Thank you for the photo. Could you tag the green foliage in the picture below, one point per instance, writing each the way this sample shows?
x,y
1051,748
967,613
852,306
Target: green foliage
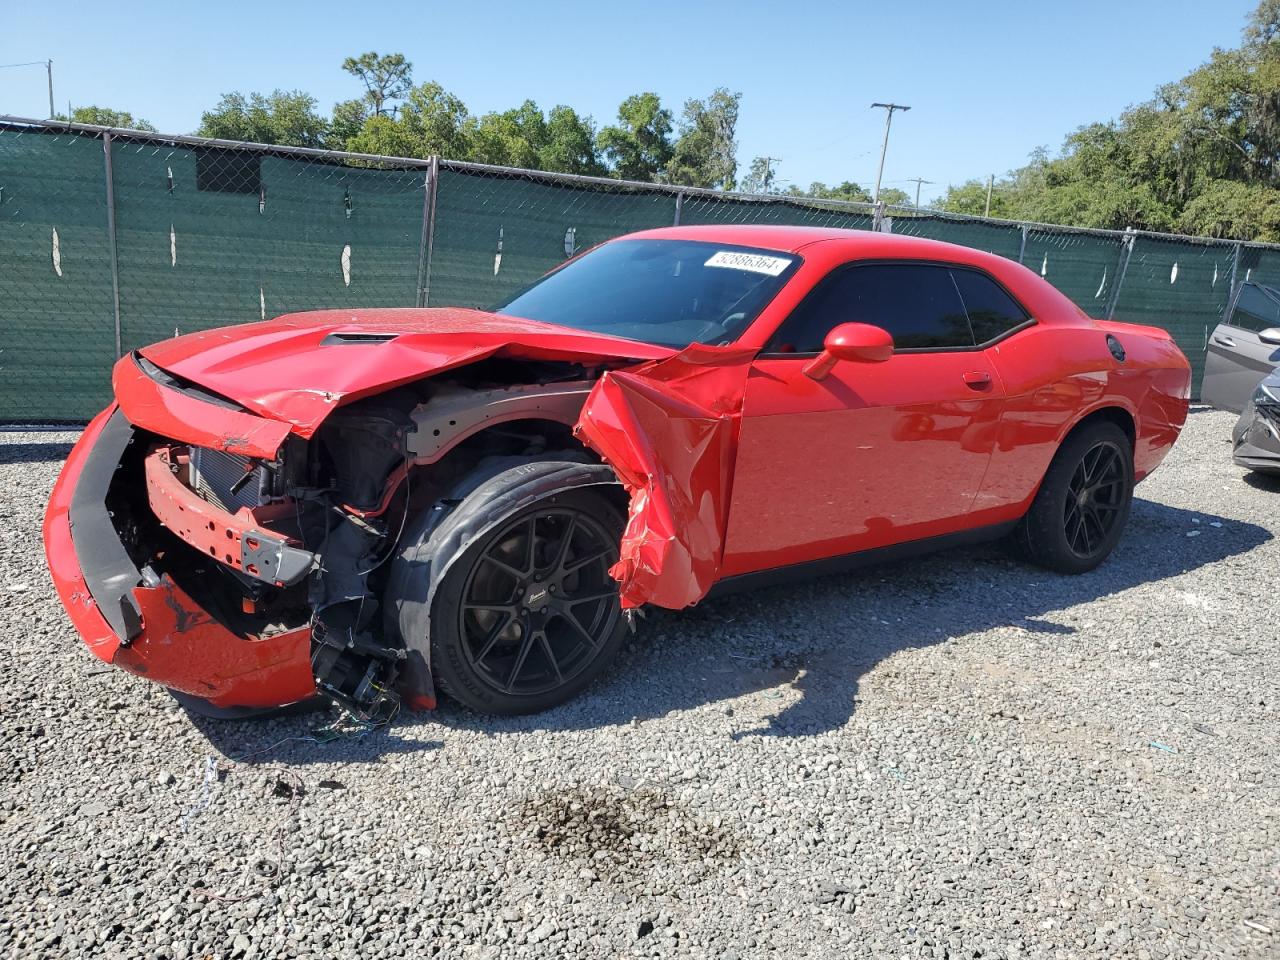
x,y
705,155
430,121
760,176
385,78
1202,156
106,117
639,146
285,117
820,191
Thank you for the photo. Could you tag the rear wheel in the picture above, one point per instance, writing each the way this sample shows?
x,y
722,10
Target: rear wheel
x,y
523,614
1082,506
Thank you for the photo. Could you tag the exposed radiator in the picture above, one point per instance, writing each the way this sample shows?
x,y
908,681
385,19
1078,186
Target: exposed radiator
x,y
214,474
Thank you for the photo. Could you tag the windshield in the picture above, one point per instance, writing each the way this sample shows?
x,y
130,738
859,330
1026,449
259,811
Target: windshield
x,y
667,292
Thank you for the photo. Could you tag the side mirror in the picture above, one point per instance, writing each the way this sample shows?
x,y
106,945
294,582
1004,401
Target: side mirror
x,y
1270,336
859,342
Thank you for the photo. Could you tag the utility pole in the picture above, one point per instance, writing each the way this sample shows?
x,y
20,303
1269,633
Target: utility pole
x,y
768,171
991,179
48,66
888,120
918,181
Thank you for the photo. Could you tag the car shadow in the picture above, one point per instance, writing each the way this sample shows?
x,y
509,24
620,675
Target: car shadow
x,y
1269,482
722,650
305,734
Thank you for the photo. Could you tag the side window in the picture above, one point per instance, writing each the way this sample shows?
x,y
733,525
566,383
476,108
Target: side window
x,y
1254,310
917,303
992,312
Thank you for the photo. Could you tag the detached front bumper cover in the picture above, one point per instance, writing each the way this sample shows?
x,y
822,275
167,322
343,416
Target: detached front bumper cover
x,y
157,631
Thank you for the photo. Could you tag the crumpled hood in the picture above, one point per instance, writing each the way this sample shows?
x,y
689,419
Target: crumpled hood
x,y
299,367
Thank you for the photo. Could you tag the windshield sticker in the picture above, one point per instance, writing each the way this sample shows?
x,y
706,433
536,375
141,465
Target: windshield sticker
x,y
754,262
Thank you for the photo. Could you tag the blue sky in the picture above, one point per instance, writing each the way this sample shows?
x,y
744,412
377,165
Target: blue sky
x,y
987,82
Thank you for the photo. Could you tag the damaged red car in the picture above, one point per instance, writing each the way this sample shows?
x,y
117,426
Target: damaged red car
x,y
386,504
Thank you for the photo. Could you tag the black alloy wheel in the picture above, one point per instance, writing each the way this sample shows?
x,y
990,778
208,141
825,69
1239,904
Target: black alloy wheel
x,y
1097,496
538,603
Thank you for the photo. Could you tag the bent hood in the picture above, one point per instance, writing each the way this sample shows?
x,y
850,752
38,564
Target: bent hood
x,y
297,368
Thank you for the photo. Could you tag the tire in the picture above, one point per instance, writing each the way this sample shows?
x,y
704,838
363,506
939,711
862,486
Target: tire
x,y
1083,503
494,604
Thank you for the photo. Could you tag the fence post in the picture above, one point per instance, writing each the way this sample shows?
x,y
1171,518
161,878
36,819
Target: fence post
x,y
679,208
111,239
428,231
1126,248
877,218
1022,244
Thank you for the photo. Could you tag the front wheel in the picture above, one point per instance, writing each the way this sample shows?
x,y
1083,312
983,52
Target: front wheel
x,y
1083,503
523,614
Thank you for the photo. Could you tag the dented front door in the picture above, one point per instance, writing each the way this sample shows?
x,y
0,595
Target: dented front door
x,y
872,455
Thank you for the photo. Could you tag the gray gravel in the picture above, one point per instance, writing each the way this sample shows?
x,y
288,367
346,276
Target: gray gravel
x,y
960,757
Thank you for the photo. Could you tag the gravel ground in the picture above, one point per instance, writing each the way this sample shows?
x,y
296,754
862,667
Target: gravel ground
x,y
959,757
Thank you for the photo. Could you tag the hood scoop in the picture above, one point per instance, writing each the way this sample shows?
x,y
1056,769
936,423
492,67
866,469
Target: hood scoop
x,y
355,337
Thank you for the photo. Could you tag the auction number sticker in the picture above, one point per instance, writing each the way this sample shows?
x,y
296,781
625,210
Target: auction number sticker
x,y
754,262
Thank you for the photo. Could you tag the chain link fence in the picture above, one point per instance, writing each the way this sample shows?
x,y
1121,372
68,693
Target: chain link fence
x,y
113,239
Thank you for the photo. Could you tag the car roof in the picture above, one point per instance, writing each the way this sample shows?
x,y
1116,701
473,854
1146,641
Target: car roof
x,y
793,239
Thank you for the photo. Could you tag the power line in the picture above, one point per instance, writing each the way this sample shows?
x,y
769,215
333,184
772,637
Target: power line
x,y
48,65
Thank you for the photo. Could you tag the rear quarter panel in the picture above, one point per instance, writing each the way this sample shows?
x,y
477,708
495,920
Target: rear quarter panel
x,y
1056,375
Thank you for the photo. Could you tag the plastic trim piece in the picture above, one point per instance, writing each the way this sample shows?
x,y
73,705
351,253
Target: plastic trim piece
x,y
109,574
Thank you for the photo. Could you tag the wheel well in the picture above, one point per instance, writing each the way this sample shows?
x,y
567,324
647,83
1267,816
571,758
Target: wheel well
x,y
1117,415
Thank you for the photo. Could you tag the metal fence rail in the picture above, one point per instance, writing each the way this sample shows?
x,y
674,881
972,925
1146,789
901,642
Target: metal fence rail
x,y
110,239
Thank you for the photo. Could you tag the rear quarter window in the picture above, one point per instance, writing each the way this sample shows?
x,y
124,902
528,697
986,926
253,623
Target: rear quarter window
x,y
992,312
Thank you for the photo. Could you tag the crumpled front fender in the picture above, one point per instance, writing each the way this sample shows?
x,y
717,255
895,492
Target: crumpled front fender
x,y
669,430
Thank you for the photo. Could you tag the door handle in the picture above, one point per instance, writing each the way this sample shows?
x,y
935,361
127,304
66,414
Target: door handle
x,y
1224,341
978,379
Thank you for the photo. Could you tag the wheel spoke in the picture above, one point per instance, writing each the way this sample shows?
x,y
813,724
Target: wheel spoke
x,y
531,547
551,657
492,639
562,551
573,601
508,608
581,562
568,616
502,565
525,646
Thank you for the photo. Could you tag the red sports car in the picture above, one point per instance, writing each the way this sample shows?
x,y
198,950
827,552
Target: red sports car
x,y
379,504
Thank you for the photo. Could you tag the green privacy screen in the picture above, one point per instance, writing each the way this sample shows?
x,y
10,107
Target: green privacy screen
x,y
208,234
211,236
998,238
494,234
709,210
1180,286
55,276
1083,267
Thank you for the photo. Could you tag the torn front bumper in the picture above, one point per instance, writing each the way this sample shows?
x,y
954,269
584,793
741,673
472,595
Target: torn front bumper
x,y
1256,439
154,629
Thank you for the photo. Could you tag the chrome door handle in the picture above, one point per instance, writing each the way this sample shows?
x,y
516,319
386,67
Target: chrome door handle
x,y
1224,341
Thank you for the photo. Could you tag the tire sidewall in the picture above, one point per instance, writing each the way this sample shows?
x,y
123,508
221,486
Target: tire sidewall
x,y
427,588
1045,531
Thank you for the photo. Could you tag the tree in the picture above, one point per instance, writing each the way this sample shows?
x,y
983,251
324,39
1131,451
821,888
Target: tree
x,y
705,155
820,191
431,121
106,117
347,121
286,117
571,144
385,78
1201,156
638,147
